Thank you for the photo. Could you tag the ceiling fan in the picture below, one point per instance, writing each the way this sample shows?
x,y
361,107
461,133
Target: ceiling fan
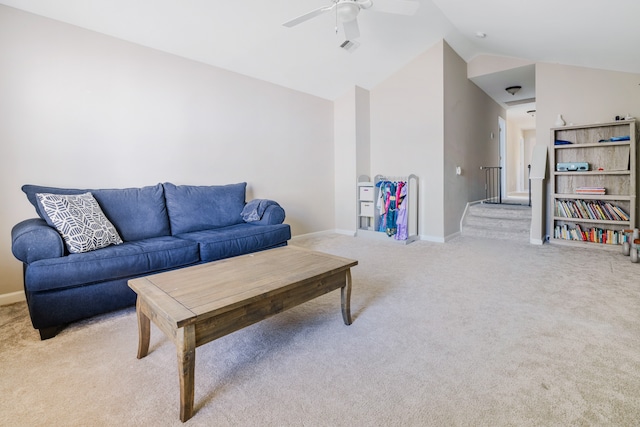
x,y
347,11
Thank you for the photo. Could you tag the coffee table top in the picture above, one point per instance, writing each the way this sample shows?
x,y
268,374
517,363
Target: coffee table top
x,y
205,290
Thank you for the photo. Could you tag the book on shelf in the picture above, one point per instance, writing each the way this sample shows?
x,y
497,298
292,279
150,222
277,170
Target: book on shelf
x,y
592,235
601,212
622,214
592,209
591,190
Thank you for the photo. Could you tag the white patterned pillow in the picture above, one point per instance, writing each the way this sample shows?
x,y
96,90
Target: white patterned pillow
x,y
80,221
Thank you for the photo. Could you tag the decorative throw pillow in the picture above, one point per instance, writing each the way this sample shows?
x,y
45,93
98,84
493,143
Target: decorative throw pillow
x,y
80,221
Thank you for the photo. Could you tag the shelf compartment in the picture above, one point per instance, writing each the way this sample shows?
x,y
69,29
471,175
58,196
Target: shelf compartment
x,y
592,210
575,231
591,134
606,157
614,184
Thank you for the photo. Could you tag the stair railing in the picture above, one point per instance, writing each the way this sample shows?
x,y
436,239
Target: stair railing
x,y
529,176
492,184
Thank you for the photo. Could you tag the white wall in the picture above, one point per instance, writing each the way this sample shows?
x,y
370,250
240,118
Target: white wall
x,y
345,162
81,109
488,64
363,132
407,133
352,154
582,96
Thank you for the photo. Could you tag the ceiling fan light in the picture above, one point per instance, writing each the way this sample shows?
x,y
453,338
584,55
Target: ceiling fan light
x,y
348,11
365,4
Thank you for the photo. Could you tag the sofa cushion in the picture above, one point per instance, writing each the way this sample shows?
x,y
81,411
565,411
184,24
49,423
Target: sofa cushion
x,y
114,262
238,239
79,220
194,208
137,213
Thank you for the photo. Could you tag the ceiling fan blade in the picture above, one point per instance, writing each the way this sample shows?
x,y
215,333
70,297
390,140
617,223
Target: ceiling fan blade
x,y
307,16
351,29
400,7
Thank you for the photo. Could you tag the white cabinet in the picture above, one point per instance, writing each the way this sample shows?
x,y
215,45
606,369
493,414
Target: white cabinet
x,y
366,191
367,209
366,204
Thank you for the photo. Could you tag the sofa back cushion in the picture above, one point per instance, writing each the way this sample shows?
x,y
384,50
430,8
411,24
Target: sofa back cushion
x,y
194,208
136,213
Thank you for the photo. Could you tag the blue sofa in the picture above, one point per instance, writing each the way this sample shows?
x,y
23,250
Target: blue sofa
x,y
162,227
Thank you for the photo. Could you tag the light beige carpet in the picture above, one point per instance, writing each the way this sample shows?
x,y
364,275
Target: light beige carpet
x,y
468,333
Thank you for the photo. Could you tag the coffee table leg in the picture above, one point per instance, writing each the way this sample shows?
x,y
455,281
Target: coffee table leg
x,y
186,346
144,330
346,299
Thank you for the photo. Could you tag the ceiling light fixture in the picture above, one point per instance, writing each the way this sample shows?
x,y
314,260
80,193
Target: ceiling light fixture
x,y
481,35
513,89
347,11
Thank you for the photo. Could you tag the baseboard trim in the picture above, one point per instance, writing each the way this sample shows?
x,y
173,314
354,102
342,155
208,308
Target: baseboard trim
x,y
432,238
318,233
349,233
12,297
452,236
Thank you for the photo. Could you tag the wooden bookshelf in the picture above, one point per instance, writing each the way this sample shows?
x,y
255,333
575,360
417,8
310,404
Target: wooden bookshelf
x,y
579,218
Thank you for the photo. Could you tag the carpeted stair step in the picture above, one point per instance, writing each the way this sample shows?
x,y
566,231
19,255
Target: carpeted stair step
x,y
498,221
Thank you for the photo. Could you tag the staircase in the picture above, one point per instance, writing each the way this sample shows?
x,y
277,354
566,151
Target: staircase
x,y
498,221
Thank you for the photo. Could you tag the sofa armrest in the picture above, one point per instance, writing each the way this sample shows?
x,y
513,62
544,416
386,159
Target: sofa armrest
x,y
273,214
32,240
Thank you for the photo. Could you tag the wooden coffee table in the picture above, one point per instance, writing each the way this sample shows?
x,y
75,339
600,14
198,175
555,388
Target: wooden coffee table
x,y
196,305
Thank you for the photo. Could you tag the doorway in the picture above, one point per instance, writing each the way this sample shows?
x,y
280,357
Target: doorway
x,y
520,137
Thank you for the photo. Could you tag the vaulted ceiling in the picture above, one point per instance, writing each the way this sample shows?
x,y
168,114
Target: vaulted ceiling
x,y
248,36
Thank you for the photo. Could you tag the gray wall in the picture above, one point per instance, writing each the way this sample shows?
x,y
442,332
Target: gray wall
x,y
470,118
